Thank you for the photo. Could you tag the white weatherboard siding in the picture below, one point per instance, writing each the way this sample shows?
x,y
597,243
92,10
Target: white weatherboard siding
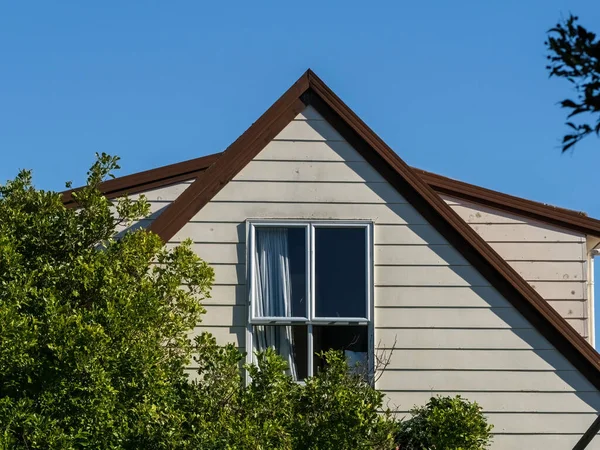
x,y
158,199
553,260
447,329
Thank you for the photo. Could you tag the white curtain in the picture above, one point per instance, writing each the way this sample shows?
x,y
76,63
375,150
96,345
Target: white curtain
x,y
273,292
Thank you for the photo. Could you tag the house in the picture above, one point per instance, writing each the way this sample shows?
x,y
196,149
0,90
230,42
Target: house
x,y
322,237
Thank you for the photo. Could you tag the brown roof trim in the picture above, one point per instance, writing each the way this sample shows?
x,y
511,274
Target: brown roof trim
x,y
150,179
233,159
552,215
310,90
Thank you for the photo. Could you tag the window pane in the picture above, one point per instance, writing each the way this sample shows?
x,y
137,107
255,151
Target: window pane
x,y
290,341
340,272
352,340
280,272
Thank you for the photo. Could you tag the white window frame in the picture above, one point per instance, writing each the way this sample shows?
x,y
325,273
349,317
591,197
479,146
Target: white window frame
x,y
310,226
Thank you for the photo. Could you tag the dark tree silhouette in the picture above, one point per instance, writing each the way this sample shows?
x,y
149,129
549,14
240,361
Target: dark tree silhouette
x,y
574,54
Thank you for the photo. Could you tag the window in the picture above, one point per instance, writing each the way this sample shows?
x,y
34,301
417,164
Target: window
x,y
310,291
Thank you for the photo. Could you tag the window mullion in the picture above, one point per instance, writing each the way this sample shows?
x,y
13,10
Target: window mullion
x,y
370,230
311,258
369,271
311,352
311,303
250,295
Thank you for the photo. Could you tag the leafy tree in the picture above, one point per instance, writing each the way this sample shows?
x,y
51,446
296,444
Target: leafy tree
x,y
445,423
93,329
574,54
332,410
94,343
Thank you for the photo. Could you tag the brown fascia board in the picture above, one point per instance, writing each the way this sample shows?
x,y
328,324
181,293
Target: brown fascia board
x,y
187,170
232,160
310,90
565,218
149,179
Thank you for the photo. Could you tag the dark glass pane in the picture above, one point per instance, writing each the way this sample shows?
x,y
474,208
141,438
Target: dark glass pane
x,y
340,272
352,340
297,252
290,341
280,272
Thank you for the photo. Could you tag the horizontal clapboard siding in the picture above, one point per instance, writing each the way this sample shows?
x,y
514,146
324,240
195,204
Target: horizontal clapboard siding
x,y
537,431
579,325
570,309
460,338
525,232
428,276
311,171
550,271
418,255
481,380
443,327
408,235
539,251
506,402
537,424
541,423
550,441
230,274
158,200
500,226
219,253
557,290
499,359
438,296
391,213
309,151
227,295
164,194
551,259
211,233
277,191
312,130
225,315
450,318
478,214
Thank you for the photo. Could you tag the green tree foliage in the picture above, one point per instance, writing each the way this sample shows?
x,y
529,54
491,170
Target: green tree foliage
x,y
94,344
574,55
332,410
445,423
93,329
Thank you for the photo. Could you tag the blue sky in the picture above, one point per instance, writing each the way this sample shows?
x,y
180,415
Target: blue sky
x,y
457,88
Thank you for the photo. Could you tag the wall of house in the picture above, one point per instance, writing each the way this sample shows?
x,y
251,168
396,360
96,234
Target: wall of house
x,y
158,199
552,259
445,328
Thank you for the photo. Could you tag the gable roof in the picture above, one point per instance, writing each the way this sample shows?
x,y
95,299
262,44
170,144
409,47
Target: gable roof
x,y
213,173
